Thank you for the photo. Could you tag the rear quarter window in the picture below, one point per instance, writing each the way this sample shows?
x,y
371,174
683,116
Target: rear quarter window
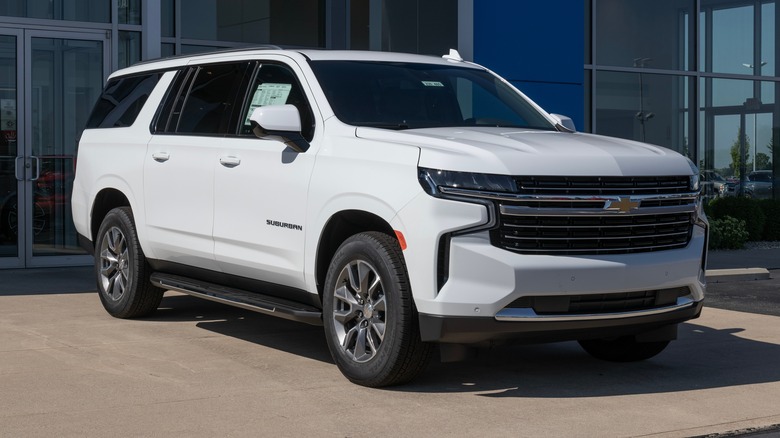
x,y
122,100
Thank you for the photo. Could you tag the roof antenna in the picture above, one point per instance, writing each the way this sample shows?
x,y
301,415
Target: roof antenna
x,y
453,56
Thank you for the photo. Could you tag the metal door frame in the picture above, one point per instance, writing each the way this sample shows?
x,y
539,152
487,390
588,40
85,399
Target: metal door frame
x,y
26,247
19,260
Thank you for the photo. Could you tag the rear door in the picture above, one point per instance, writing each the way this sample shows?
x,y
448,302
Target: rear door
x,y
181,157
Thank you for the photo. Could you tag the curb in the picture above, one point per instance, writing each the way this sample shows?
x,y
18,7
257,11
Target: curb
x,y
742,274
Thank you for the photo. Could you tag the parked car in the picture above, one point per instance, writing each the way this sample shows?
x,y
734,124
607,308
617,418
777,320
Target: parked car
x,y
399,200
712,184
759,184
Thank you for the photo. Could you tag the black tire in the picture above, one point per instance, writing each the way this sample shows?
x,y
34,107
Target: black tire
x,y
354,315
623,349
121,268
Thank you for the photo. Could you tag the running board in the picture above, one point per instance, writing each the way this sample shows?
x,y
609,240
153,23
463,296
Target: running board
x,y
235,297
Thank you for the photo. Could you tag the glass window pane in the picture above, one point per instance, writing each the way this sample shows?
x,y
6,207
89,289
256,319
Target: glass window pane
x,y
768,39
653,31
129,48
8,151
644,107
588,30
167,50
732,40
167,18
736,141
129,11
76,10
285,22
191,49
212,91
420,26
588,101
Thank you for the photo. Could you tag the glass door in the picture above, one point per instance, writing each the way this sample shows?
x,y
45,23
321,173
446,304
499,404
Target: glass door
x,y
64,76
11,155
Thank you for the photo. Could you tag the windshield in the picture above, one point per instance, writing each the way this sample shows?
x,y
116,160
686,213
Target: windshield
x,y
398,95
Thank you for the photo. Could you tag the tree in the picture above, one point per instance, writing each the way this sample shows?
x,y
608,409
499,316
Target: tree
x,y
736,160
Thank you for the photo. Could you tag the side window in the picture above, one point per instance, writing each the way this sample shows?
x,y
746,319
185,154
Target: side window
x,y
122,100
202,100
276,84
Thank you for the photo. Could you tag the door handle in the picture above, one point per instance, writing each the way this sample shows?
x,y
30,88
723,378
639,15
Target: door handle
x,y
19,174
229,162
161,157
37,168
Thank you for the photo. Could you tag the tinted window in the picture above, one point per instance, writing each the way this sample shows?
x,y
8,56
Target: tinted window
x,y
209,103
277,85
407,95
121,101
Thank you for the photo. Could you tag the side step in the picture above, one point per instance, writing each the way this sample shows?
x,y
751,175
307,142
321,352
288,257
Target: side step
x,y
235,297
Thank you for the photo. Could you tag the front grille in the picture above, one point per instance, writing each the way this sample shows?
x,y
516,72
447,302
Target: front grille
x,y
593,234
601,303
605,185
595,215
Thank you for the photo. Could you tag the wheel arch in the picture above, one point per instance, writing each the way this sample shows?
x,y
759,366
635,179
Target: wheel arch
x,y
105,201
340,227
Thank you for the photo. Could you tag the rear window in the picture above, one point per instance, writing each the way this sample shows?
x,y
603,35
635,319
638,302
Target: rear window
x,y
121,101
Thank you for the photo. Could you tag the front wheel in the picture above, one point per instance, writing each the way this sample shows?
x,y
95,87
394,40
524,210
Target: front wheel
x,y
121,268
371,324
623,349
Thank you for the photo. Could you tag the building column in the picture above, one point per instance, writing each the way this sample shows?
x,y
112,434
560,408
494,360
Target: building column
x,y
151,45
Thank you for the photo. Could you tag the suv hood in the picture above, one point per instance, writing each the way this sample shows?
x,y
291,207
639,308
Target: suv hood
x,y
512,151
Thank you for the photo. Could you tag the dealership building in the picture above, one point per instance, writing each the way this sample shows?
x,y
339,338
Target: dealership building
x,y
696,76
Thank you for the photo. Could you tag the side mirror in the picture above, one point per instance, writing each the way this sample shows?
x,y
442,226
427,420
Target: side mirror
x,y
564,122
281,121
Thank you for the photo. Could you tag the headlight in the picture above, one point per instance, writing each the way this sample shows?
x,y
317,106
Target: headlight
x,y
694,180
433,180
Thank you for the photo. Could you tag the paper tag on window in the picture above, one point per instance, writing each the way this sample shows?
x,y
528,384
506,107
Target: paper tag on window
x,y
268,94
432,84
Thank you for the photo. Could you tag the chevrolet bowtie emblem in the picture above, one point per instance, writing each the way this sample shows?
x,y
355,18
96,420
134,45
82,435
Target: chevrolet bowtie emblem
x,y
622,205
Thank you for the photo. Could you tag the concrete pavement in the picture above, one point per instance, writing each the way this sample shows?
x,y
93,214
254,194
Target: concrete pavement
x,y
199,368
203,369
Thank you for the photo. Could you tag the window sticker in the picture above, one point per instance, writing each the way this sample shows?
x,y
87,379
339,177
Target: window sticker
x,y
432,84
268,94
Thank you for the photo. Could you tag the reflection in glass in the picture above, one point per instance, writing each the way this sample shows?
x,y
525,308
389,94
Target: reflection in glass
x,y
129,48
736,141
412,26
644,107
768,41
191,49
287,22
167,50
129,11
167,18
656,31
9,226
67,78
732,40
75,10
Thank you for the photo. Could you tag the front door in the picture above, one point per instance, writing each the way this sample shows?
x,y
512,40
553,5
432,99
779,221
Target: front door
x,y
57,78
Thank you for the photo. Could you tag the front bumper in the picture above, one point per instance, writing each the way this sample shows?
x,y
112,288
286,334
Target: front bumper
x,y
476,330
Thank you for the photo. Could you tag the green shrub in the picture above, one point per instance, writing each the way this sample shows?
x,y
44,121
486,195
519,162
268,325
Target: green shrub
x,y
745,209
727,233
771,209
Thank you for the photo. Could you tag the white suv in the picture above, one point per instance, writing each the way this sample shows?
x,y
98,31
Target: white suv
x,y
399,200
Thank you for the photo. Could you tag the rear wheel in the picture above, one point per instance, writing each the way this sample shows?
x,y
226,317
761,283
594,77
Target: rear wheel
x,y
371,324
623,349
121,268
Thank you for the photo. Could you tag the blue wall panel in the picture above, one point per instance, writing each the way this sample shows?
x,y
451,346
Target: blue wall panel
x,y
538,45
